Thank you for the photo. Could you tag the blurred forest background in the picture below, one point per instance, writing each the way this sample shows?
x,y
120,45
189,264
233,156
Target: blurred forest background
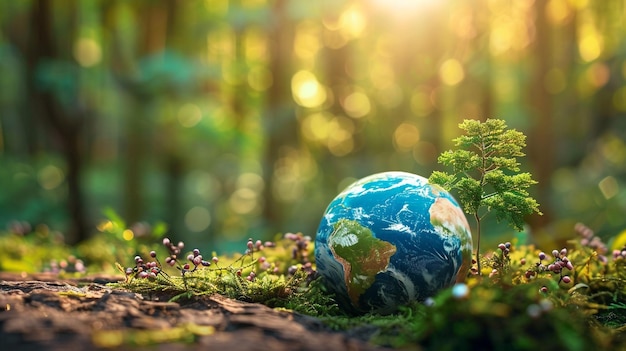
x,y
229,119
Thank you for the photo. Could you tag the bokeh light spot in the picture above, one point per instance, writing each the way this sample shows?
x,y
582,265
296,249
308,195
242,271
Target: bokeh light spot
x,y
609,187
197,219
50,177
316,126
352,23
451,72
421,102
558,11
405,137
307,39
128,235
260,78
306,90
243,201
598,74
590,46
189,115
357,105
87,52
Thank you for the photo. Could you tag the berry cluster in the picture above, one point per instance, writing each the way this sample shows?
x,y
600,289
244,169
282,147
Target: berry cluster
x,y
254,246
557,266
151,269
619,254
501,263
174,251
590,240
196,259
71,265
300,252
145,269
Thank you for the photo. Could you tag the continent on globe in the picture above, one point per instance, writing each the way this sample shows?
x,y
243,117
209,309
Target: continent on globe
x,y
361,255
448,219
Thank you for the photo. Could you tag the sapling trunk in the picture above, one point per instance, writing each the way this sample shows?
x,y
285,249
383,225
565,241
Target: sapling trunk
x,y
477,217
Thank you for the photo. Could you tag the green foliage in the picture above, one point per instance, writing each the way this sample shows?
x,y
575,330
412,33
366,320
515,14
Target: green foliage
x,y
486,174
484,171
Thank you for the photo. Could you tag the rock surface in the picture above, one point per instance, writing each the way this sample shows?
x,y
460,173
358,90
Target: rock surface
x,y
41,313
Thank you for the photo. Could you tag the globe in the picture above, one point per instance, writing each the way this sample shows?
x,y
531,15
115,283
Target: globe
x,y
390,239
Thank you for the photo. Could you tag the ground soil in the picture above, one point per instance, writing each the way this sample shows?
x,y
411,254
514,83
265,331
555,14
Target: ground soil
x,y
44,313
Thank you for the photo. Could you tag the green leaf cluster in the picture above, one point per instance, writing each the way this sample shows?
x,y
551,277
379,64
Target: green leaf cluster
x,y
486,173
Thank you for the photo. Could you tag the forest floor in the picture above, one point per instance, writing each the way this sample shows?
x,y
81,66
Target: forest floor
x,y
43,313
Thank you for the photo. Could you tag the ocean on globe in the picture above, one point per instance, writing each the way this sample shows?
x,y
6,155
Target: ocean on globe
x,y
389,239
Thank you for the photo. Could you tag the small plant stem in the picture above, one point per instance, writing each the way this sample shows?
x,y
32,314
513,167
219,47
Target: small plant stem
x,y
477,217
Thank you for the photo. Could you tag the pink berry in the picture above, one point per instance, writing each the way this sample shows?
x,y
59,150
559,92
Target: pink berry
x,y
566,279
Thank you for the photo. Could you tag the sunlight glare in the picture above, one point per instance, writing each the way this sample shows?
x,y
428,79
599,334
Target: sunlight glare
x,y
402,7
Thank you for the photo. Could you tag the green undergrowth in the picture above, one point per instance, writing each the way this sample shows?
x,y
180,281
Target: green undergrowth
x,y
278,274
518,302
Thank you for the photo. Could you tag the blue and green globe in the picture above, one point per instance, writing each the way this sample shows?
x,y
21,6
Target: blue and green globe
x,y
389,239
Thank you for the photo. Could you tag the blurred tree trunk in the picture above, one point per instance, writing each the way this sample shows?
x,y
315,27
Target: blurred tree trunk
x,y
153,25
541,147
280,123
67,126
